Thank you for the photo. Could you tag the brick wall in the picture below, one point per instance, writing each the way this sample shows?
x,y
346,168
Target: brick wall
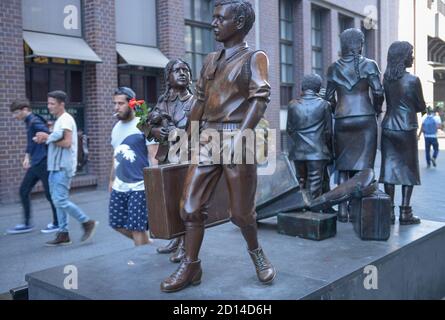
x,y
12,86
171,30
269,42
101,80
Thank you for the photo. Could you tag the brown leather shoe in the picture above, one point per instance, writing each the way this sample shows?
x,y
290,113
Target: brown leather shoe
x,y
62,239
188,273
170,247
89,228
264,269
180,252
406,216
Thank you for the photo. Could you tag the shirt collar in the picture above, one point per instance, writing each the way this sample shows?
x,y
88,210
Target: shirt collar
x,y
28,118
309,93
230,52
176,95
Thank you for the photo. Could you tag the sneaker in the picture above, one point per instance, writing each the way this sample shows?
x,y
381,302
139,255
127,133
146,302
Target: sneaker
x,y
433,161
89,228
20,228
50,228
62,239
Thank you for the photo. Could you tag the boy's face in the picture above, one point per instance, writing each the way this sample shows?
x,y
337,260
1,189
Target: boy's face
x,y
20,114
224,24
55,107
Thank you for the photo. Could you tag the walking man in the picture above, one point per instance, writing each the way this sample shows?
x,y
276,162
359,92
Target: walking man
x,y
430,124
128,207
35,165
62,164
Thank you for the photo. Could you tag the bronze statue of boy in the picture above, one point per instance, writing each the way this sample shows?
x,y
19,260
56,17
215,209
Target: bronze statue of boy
x,y
309,125
231,94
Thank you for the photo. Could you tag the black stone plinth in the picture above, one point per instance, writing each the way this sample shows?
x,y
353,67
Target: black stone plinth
x,y
410,265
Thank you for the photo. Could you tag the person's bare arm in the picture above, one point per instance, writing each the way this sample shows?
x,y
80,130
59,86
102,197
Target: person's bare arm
x,y
152,150
110,184
67,140
420,132
26,161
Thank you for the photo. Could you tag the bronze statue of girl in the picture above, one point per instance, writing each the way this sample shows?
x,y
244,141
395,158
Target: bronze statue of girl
x,y
355,132
404,96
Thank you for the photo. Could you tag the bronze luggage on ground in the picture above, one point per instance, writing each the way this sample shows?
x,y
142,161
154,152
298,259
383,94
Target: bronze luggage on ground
x,y
372,216
163,187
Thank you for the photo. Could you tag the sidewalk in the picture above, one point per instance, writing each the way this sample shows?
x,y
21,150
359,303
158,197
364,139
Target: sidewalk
x,y
25,253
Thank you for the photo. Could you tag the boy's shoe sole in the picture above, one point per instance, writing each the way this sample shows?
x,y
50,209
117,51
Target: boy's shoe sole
x,y
18,231
58,244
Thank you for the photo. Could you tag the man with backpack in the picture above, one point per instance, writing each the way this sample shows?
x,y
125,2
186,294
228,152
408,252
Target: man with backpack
x,y
430,124
35,163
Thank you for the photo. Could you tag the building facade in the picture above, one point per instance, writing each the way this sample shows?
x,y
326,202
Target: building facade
x,y
423,25
89,47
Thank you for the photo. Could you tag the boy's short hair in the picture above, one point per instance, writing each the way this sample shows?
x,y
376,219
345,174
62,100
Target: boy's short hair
x,y
19,104
59,95
311,82
241,8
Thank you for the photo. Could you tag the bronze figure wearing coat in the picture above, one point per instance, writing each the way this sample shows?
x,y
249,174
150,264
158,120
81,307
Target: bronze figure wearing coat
x,y
404,99
309,126
350,79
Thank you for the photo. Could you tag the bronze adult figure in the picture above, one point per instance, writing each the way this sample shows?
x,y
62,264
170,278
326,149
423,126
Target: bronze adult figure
x,y
309,125
175,106
232,93
351,78
404,98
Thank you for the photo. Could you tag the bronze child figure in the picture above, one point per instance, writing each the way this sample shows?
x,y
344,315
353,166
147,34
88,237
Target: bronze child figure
x,y
172,111
309,125
231,94
355,132
404,97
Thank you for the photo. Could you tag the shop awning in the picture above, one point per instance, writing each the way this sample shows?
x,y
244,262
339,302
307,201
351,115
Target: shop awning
x,y
56,46
141,56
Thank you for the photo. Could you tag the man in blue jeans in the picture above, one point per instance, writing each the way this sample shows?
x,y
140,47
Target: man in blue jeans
x,y
430,124
35,164
62,163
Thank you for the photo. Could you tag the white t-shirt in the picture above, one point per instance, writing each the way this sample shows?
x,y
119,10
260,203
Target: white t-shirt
x,y
63,158
130,156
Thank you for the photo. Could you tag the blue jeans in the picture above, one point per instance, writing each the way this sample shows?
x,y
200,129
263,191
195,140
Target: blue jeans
x,y
431,142
59,185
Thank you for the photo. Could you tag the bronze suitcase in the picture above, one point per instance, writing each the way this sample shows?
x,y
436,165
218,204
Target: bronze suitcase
x,y
372,216
163,189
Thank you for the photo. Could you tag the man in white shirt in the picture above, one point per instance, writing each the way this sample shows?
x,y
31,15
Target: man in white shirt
x,y
62,163
128,208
